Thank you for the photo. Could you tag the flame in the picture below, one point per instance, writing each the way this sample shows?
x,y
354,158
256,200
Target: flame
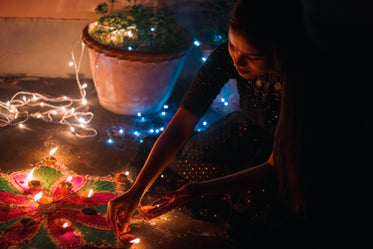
x,y
135,241
65,225
53,151
38,196
30,175
90,193
69,179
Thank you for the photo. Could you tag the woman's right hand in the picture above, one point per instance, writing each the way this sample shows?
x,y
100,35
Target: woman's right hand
x,y
120,210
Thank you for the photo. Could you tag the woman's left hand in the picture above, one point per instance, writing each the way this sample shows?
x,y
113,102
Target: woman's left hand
x,y
175,199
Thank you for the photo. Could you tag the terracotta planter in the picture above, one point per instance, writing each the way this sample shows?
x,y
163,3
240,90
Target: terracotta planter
x,y
128,82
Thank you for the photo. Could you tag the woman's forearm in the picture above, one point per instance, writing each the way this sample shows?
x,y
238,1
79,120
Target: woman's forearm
x,y
169,142
240,181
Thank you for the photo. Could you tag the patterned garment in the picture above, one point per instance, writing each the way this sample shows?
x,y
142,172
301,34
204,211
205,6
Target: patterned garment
x,y
241,138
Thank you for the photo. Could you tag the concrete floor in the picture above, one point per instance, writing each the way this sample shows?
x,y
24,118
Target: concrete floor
x,y
21,149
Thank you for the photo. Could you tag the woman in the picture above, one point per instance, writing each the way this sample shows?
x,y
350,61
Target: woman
x,y
264,36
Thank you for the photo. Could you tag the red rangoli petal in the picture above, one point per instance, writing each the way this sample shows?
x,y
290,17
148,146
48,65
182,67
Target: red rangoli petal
x,y
19,233
96,221
10,198
97,200
15,213
20,183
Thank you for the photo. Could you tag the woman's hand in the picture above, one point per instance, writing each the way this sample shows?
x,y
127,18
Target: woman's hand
x,y
120,210
175,199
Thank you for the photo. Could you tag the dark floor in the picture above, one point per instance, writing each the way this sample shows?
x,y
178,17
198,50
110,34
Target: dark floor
x,y
21,149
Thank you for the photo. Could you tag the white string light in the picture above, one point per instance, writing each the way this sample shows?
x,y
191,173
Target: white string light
x,y
64,110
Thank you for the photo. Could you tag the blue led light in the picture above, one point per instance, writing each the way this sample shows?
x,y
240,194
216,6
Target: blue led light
x,y
110,141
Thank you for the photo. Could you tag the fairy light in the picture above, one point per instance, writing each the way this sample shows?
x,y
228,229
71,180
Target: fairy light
x,y
64,110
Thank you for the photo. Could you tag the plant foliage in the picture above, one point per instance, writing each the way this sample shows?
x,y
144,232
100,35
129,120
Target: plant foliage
x,y
138,28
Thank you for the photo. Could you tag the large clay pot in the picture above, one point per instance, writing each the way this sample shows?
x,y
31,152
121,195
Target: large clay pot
x,y
128,82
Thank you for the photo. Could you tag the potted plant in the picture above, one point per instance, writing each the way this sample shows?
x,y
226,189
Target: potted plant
x,y
136,55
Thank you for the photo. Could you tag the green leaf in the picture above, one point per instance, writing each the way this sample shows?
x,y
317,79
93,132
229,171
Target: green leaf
x,y
6,187
47,175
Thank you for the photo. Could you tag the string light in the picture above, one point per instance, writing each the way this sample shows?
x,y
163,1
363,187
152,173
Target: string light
x,y
64,110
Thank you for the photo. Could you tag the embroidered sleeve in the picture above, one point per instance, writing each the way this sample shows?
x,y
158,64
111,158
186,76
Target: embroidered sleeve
x,y
211,77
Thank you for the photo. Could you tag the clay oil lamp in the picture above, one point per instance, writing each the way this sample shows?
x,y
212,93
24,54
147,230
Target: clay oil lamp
x,y
33,184
66,186
4,209
51,160
44,203
63,224
86,195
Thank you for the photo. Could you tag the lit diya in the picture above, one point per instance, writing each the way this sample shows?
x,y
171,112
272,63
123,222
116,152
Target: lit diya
x,y
66,186
128,240
63,224
144,211
4,209
86,195
51,160
121,177
44,203
33,184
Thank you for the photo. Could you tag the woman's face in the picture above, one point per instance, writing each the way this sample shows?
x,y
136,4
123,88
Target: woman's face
x,y
249,61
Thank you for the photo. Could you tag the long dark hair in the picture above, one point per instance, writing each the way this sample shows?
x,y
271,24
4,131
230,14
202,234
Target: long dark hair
x,y
277,28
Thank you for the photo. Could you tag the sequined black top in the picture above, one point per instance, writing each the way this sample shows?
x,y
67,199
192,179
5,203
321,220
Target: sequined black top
x,y
259,97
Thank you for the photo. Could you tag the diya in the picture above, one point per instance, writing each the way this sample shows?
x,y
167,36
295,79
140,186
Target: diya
x,y
89,213
27,223
86,195
121,177
66,186
35,185
44,202
51,160
63,224
4,209
128,240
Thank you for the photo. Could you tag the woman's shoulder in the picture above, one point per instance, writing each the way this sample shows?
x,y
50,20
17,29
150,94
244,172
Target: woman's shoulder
x,y
220,60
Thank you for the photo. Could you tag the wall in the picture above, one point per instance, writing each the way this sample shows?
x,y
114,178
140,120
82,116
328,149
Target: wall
x,y
37,37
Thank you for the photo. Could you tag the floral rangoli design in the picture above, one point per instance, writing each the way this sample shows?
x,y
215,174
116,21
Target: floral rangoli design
x,y
27,221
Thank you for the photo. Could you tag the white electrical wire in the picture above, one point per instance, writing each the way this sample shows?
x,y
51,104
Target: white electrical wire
x,y
64,110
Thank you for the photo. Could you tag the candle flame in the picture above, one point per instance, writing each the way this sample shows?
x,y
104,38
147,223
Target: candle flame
x,y
38,196
53,151
69,179
65,225
90,193
30,175
135,241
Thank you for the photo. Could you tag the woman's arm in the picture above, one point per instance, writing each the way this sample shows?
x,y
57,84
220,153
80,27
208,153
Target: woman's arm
x,y
240,181
167,145
169,142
